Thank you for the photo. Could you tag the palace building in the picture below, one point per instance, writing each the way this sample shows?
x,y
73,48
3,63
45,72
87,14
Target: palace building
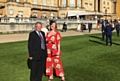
x,y
59,8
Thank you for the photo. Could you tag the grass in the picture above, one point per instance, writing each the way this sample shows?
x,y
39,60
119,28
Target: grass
x,y
85,58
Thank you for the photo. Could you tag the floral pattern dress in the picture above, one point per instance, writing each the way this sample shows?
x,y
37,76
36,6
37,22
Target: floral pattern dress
x,y
53,61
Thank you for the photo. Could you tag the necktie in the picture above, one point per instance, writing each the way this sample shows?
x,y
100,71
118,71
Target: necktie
x,y
42,41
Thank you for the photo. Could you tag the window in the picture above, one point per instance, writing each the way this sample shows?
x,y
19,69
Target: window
x,y
104,2
86,5
63,3
44,15
90,6
17,0
52,2
34,1
11,11
20,13
72,3
44,2
62,15
35,14
78,3
108,8
107,3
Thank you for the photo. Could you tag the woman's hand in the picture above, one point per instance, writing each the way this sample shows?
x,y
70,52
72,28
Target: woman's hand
x,y
58,53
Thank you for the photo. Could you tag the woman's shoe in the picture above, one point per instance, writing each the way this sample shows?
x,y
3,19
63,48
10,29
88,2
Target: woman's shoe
x,y
62,80
49,79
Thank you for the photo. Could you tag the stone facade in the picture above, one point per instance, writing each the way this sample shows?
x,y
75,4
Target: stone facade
x,y
58,8
118,9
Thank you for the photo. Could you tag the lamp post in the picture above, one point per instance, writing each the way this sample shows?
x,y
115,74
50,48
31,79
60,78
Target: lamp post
x,y
106,13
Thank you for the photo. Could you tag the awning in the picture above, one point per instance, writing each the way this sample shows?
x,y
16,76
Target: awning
x,y
78,13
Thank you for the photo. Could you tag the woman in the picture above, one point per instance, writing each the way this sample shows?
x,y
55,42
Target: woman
x,y
53,61
79,26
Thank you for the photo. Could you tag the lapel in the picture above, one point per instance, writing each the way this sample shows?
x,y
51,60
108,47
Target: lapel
x,y
37,35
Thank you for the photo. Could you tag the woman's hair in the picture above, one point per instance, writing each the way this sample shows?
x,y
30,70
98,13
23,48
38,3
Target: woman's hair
x,y
55,25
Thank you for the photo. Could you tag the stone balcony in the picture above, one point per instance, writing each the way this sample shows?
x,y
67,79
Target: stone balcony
x,y
72,8
34,6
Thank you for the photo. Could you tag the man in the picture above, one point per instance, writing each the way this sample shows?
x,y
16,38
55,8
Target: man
x,y
89,27
117,26
64,27
44,29
103,30
108,31
37,52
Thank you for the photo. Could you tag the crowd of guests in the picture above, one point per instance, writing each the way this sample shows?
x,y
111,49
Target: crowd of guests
x,y
107,28
83,26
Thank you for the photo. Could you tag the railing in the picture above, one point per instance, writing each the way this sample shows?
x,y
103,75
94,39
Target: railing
x,y
34,20
44,7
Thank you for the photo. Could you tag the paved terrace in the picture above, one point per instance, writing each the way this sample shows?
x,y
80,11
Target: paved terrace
x,y
21,37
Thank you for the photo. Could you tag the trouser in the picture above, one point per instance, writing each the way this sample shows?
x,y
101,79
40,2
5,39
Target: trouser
x,y
37,70
110,38
89,28
103,35
117,32
54,65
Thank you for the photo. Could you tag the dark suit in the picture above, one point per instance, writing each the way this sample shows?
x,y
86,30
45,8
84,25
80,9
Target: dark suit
x,y
39,56
108,31
89,27
103,31
117,29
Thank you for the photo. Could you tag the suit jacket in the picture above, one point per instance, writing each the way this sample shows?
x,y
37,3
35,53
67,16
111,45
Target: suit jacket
x,y
103,28
90,25
108,30
117,27
34,46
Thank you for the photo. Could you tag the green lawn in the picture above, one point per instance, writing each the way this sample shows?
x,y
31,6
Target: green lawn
x,y
85,58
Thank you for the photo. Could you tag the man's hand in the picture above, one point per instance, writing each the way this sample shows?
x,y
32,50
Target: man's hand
x,y
30,58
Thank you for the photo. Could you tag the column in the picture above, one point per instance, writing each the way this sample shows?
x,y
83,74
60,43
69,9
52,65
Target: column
x,y
82,3
114,7
67,3
76,4
58,3
95,5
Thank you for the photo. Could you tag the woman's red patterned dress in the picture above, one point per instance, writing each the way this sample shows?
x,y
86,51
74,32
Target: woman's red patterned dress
x,y
53,61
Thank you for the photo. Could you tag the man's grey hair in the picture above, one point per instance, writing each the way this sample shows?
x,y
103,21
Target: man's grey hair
x,y
38,23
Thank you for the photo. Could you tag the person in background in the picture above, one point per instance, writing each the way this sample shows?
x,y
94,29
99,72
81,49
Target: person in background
x,y
117,26
82,26
108,31
44,29
37,52
53,62
79,26
98,25
0,17
5,18
17,18
64,27
103,30
89,27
